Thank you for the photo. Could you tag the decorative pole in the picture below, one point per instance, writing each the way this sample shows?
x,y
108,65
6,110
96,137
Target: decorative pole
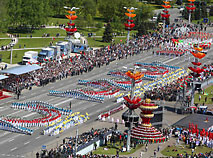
x,y
71,26
129,116
165,16
196,70
190,8
129,25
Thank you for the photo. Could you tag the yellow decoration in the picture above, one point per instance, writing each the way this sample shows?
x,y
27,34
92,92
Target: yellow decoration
x,y
130,15
130,10
198,48
71,12
166,2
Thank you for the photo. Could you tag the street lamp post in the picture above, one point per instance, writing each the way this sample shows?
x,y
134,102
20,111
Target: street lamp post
x,y
11,53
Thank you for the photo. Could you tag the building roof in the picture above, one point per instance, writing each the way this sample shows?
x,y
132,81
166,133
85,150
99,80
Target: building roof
x,y
198,119
3,77
19,70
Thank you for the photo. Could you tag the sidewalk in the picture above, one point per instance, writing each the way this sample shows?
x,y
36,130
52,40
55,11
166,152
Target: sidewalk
x,y
151,148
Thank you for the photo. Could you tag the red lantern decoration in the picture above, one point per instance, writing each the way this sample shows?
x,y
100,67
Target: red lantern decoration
x,y
71,30
165,15
165,11
190,8
129,25
73,24
197,70
198,63
191,4
129,20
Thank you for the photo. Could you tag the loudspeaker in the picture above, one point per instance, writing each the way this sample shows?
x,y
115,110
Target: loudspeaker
x,y
127,124
197,86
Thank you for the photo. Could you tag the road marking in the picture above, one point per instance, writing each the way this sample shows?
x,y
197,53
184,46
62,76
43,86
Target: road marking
x,y
4,109
64,101
10,140
38,137
3,134
170,60
5,141
14,113
30,114
26,143
13,149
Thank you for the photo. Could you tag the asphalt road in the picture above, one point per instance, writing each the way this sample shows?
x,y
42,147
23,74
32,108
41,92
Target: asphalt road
x,y
17,145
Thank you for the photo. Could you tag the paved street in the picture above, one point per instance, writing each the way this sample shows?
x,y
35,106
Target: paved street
x,y
19,145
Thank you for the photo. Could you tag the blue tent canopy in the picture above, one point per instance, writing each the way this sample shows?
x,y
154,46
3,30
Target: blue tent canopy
x,y
19,70
3,77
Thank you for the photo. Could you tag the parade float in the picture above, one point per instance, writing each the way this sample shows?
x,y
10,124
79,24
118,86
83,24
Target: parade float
x,y
145,132
51,118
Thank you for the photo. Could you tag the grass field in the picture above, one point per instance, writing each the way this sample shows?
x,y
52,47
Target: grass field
x,y
201,20
36,42
97,42
40,32
17,55
3,35
4,42
182,149
111,150
209,96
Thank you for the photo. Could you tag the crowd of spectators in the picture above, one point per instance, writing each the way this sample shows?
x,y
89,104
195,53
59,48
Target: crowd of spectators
x,y
69,145
193,140
85,62
167,93
170,92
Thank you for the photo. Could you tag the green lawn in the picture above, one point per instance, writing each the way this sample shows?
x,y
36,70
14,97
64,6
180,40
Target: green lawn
x,y
17,55
3,35
97,42
209,96
4,42
40,32
111,150
201,20
182,149
97,31
36,42
57,21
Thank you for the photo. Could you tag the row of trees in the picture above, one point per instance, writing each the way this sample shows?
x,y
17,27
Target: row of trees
x,y
200,12
33,13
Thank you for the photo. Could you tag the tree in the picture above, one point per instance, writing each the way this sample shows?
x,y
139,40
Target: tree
x,y
89,20
28,12
114,8
3,16
179,2
107,37
143,13
89,7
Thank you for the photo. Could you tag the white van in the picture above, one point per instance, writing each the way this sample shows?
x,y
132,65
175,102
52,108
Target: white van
x,y
30,56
